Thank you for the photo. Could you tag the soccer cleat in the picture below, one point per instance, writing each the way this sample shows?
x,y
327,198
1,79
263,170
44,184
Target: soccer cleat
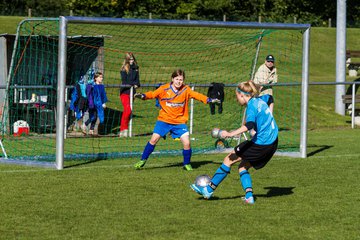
x,y
139,165
188,167
202,191
249,200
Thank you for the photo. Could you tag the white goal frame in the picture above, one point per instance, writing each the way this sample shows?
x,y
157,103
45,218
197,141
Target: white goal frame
x,y
62,55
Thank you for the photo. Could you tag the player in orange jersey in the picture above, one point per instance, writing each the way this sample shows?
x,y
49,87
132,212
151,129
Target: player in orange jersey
x,y
173,116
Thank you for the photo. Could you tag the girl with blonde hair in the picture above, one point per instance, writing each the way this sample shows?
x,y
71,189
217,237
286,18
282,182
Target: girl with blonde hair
x,y
256,152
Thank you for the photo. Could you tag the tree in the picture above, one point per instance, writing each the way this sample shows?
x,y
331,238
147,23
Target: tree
x,y
12,7
103,8
214,10
316,13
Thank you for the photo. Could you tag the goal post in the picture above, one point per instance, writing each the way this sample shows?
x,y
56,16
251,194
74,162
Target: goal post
x,y
62,60
60,128
304,92
51,55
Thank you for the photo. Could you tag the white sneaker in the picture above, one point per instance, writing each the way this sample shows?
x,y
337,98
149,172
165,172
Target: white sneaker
x,y
249,200
124,133
202,191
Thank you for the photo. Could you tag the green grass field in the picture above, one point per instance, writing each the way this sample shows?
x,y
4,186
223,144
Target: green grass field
x,y
9,24
312,198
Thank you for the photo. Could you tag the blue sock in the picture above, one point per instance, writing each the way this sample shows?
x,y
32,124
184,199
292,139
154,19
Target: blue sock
x,y
218,177
147,151
187,156
246,183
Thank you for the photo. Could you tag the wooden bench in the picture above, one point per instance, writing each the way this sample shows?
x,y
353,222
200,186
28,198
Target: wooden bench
x,y
352,66
347,99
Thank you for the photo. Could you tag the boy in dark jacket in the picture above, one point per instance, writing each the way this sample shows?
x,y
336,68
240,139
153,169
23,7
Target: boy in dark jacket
x,y
97,102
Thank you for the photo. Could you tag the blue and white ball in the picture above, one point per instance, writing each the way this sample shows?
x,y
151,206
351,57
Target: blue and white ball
x,y
202,180
216,133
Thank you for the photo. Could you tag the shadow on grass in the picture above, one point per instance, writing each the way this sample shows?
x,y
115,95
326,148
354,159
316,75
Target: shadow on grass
x,y
77,164
102,157
276,192
195,165
272,192
214,198
320,149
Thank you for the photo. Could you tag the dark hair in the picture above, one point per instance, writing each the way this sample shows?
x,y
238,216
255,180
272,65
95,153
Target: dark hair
x,y
97,74
178,72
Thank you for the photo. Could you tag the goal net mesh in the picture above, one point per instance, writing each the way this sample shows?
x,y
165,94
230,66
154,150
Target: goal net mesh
x,y
208,54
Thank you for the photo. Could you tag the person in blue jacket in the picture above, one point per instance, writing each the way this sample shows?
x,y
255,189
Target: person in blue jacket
x,y
97,100
79,99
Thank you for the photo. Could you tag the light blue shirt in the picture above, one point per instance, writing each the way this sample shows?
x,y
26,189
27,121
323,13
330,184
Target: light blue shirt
x,y
257,111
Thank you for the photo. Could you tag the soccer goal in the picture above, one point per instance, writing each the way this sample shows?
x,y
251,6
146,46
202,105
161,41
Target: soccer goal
x,y
50,57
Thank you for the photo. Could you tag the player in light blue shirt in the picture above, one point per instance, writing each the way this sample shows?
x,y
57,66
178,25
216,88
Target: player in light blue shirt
x,y
258,112
256,152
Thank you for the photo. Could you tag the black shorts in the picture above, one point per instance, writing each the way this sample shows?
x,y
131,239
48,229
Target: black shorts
x,y
257,155
271,100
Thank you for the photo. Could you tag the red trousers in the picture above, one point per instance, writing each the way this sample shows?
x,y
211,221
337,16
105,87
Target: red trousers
x,y
125,118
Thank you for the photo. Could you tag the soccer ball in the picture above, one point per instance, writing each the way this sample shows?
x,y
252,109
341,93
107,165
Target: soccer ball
x,y
202,180
215,133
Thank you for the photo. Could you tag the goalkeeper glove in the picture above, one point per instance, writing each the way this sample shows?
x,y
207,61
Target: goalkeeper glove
x,y
213,100
140,96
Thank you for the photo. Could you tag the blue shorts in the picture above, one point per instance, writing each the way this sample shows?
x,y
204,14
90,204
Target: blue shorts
x,y
176,130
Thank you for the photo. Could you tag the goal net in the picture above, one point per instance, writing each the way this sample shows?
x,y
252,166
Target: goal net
x,y
209,52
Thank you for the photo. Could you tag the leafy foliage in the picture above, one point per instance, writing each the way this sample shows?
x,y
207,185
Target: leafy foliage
x,y
317,13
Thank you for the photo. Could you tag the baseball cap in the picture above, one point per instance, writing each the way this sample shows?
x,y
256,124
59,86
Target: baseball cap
x,y
270,58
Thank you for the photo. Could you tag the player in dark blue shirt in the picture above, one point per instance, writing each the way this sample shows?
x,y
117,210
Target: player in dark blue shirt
x,y
97,100
254,153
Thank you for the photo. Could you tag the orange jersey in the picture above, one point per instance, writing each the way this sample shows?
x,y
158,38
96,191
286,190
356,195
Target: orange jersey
x,y
174,105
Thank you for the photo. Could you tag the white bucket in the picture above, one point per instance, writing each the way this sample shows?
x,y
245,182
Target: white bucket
x,y
21,127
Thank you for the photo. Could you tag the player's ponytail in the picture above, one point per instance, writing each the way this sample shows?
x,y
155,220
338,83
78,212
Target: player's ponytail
x,y
249,88
255,87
